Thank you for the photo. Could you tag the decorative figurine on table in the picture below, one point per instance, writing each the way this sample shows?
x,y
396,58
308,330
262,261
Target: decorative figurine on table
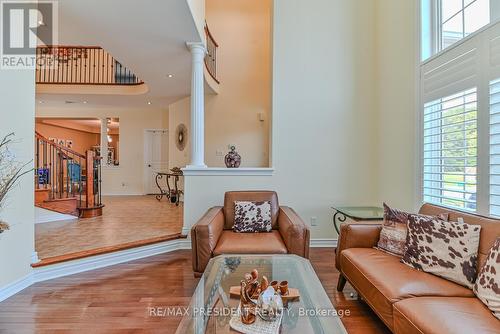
x,y
258,298
232,159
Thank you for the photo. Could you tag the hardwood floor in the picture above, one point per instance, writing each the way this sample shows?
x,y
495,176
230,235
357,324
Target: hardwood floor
x,y
116,299
126,219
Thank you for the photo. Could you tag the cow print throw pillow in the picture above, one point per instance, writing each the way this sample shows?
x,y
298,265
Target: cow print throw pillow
x,y
394,230
446,249
487,287
252,217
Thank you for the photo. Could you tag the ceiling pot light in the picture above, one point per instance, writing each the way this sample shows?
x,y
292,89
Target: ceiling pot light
x,y
149,102
170,75
84,102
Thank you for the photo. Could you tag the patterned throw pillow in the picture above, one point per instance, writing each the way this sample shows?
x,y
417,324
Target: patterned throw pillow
x,y
394,230
252,217
446,249
487,287
393,234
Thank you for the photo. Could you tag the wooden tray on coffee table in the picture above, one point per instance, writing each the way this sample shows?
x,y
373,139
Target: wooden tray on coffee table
x,y
293,293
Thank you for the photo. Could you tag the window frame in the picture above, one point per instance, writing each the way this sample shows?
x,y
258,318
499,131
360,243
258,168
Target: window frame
x,y
436,25
483,84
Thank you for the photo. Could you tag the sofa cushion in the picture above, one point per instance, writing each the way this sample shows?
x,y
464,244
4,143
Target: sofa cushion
x,y
251,217
250,243
443,315
383,280
487,286
490,228
446,249
394,230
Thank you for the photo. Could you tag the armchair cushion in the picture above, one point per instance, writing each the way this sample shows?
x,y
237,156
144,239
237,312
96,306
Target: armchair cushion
x,y
252,196
250,243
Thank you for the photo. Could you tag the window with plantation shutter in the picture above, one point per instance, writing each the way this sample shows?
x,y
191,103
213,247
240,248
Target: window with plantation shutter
x,y
450,150
494,138
460,124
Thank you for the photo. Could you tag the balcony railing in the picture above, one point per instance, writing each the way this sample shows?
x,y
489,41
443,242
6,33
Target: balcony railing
x,y
211,57
81,65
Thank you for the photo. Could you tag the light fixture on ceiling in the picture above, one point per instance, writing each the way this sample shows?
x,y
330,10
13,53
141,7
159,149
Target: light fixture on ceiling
x,y
170,75
149,102
84,102
40,101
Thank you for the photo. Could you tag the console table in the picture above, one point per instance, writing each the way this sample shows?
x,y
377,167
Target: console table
x,y
170,191
356,213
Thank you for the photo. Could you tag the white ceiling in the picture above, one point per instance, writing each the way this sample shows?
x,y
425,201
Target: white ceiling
x,y
147,36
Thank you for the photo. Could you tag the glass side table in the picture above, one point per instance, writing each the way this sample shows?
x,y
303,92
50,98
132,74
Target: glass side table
x,y
356,213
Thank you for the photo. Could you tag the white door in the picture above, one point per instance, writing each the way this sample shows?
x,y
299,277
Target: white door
x,y
155,157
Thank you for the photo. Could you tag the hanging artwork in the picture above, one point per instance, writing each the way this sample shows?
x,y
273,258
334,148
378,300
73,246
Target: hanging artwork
x,y
181,137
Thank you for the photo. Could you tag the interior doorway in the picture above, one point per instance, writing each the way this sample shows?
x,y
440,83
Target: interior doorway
x,y
155,157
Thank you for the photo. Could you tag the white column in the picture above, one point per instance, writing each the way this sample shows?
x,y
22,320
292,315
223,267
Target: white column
x,y
197,106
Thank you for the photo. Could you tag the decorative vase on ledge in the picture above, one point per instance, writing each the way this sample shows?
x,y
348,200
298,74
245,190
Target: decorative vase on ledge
x,y
232,159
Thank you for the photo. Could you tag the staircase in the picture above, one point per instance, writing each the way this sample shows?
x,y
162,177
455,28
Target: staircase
x,y
66,181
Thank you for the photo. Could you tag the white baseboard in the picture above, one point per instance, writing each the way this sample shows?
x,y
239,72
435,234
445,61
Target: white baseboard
x,y
318,242
99,261
15,287
93,262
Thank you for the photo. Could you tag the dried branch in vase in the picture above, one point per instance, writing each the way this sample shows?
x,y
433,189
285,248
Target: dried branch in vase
x,y
10,172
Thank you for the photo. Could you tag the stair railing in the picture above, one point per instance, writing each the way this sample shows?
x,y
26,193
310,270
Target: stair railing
x,y
81,65
211,56
66,173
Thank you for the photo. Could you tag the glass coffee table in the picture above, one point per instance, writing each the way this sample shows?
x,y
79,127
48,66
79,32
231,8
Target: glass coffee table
x,y
212,307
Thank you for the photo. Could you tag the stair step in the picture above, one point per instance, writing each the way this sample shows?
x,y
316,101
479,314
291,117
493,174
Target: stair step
x,y
62,205
41,195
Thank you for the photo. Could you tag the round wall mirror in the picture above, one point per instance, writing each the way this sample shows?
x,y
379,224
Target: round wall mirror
x,y
181,136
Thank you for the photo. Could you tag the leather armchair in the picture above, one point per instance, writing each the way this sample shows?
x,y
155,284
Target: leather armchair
x,y
212,235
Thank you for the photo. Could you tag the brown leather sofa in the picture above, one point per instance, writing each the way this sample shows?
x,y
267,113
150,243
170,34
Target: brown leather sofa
x,y
407,300
213,234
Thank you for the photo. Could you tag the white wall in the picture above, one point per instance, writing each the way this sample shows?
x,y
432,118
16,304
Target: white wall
x,y
197,8
242,29
17,114
179,113
128,178
324,115
396,66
